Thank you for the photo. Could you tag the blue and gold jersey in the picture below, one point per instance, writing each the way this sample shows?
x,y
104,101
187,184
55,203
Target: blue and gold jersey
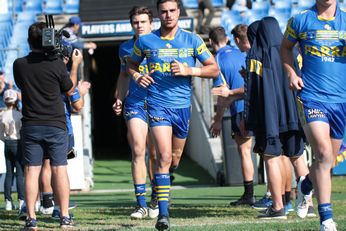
x,y
136,94
230,61
322,44
169,90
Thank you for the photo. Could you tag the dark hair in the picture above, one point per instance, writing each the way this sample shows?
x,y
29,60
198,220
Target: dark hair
x,y
239,31
35,35
137,10
163,1
218,34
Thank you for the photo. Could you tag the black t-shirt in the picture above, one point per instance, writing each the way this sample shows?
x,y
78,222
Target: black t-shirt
x,y
41,82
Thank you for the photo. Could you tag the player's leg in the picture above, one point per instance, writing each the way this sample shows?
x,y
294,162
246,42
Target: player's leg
x,y
244,149
137,134
272,149
151,150
33,149
47,205
286,197
56,146
163,139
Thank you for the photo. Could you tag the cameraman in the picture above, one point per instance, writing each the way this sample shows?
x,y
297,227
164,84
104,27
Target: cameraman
x,y
41,80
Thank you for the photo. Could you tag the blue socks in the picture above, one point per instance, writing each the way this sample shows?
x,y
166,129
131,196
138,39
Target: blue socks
x,y
140,195
163,186
325,211
306,185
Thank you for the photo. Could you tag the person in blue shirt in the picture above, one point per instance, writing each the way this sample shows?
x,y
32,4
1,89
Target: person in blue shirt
x,y
230,61
171,55
136,116
320,33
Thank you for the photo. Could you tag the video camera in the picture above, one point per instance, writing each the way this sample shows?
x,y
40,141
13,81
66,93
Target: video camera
x,y
52,40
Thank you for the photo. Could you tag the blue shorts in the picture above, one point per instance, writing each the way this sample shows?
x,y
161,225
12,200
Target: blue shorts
x,y
332,113
38,141
290,144
135,111
177,118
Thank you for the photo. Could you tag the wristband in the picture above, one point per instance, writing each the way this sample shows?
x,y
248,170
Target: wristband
x,y
196,71
136,76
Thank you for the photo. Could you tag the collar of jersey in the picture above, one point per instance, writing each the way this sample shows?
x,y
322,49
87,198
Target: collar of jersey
x,y
227,47
170,38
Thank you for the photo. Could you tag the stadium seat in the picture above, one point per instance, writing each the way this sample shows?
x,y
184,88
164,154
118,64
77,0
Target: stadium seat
x,y
260,8
52,7
218,3
17,6
71,6
190,4
34,6
26,16
306,3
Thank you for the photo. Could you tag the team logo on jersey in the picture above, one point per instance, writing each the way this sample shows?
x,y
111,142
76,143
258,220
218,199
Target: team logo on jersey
x,y
153,53
311,34
327,27
168,45
182,53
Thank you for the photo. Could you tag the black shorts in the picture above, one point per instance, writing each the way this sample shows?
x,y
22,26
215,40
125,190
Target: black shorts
x,y
235,121
290,144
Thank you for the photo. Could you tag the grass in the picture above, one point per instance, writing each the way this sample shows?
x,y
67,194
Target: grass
x,y
194,208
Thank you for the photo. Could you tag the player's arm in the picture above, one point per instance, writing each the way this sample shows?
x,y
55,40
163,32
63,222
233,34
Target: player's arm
x,y
120,92
287,57
137,56
216,126
208,70
76,60
77,103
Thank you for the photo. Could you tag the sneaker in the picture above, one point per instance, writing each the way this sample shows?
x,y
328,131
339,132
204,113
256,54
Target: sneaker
x,y
243,201
21,204
66,223
311,212
22,213
302,205
30,225
9,205
263,203
56,214
328,225
139,213
47,211
162,223
288,208
270,213
153,209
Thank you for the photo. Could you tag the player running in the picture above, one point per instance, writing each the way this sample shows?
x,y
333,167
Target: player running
x,y
171,57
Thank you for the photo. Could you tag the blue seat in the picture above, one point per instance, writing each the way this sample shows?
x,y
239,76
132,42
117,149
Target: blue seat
x,y
17,6
52,6
306,3
5,17
71,6
26,16
218,3
34,6
260,8
190,4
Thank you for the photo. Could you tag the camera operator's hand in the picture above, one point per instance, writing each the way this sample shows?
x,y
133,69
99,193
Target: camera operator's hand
x,y
77,57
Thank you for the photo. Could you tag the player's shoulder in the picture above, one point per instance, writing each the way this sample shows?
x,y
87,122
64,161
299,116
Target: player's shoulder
x,y
304,14
189,34
126,46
